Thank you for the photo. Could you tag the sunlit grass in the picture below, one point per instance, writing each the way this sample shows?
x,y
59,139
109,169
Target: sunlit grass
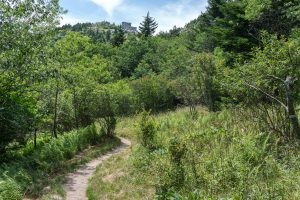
x,y
226,156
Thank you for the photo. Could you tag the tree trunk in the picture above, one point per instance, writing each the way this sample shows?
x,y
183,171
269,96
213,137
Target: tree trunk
x,y
34,139
293,117
295,123
55,114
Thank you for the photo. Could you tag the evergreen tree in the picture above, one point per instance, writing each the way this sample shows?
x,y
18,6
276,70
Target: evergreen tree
x,y
214,8
118,37
107,36
148,26
175,31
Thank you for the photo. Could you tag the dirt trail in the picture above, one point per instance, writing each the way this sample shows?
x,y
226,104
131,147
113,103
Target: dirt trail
x,y
77,182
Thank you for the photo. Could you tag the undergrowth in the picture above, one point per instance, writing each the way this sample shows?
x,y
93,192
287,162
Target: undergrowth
x,y
218,156
212,156
34,169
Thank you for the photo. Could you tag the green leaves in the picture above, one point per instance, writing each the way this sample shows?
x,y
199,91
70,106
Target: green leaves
x,y
148,26
254,7
25,32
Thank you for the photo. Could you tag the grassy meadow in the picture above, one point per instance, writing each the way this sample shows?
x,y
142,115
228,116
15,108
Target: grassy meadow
x,y
200,156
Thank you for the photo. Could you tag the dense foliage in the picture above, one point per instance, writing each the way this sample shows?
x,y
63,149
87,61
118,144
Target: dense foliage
x,y
241,53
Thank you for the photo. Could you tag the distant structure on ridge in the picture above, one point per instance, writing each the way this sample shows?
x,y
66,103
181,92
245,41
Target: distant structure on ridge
x,y
128,28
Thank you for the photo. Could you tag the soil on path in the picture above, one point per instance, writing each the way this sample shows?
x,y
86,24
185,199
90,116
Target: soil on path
x,y
77,182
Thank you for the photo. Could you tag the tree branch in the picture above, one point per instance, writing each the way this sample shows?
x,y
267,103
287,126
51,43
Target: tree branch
x,y
267,94
277,78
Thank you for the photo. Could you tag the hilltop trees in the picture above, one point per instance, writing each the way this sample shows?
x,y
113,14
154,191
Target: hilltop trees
x,y
119,37
148,26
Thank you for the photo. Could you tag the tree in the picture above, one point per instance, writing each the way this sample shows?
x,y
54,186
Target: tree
x,y
118,37
80,73
222,25
175,31
148,26
276,17
273,74
203,72
26,27
70,51
129,56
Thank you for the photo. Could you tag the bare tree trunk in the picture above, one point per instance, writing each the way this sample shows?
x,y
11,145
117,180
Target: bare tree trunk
x,y
294,120
34,137
293,117
55,113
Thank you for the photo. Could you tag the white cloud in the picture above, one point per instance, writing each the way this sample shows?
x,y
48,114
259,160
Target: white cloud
x,y
177,13
108,5
69,19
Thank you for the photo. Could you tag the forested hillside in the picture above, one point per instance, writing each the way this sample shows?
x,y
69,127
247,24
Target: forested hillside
x,y
64,88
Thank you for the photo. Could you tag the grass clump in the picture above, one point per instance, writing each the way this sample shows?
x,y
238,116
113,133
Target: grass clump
x,y
9,189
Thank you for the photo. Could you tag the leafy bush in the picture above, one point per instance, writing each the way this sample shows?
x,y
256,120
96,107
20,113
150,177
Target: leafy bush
x,y
152,93
108,125
147,130
177,150
54,154
15,119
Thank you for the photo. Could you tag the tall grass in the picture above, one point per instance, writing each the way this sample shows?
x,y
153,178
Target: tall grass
x,y
28,173
219,156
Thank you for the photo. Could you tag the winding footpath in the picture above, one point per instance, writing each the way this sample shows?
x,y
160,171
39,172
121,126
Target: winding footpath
x,y
77,182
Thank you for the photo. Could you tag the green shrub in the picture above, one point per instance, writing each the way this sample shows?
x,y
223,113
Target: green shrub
x,y
108,125
152,93
51,155
177,150
147,130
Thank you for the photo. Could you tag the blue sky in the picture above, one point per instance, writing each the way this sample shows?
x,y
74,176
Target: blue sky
x,y
166,12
